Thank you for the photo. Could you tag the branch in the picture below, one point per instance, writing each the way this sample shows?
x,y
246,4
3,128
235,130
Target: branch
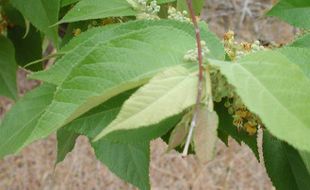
x,y
200,77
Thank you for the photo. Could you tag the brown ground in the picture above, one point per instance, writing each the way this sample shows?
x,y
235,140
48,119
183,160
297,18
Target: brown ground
x,y
234,168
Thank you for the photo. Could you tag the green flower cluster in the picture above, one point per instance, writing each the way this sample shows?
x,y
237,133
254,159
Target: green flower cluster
x,y
177,15
147,10
192,55
3,23
223,91
237,50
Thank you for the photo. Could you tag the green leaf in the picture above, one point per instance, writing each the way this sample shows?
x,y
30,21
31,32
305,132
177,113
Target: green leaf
x,y
164,1
284,165
299,56
226,129
95,9
91,73
205,134
42,14
20,121
67,2
71,30
26,39
109,69
197,6
8,69
303,42
129,161
288,55
12,15
92,122
306,159
87,43
295,12
278,92
215,46
65,143
28,48
166,95
223,136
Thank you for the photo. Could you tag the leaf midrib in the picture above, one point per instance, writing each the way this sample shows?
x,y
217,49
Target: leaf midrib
x,y
171,90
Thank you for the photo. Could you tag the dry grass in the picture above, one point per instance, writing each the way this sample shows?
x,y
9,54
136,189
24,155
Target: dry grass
x,y
234,168
246,18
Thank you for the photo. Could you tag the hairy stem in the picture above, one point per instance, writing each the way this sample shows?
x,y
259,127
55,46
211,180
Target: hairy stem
x,y
200,76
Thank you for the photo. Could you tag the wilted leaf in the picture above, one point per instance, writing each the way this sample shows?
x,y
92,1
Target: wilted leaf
x,y
205,134
179,133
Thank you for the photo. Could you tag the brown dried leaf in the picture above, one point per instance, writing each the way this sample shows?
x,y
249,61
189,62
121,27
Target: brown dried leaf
x,y
179,133
205,134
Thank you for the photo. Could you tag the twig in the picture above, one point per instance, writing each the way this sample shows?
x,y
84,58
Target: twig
x,y
43,59
200,77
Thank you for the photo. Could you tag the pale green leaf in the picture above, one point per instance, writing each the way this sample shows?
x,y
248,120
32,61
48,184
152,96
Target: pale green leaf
x,y
299,56
166,95
289,55
95,9
20,121
109,69
295,12
91,73
278,92
284,165
85,44
8,69
42,14
213,43
205,134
